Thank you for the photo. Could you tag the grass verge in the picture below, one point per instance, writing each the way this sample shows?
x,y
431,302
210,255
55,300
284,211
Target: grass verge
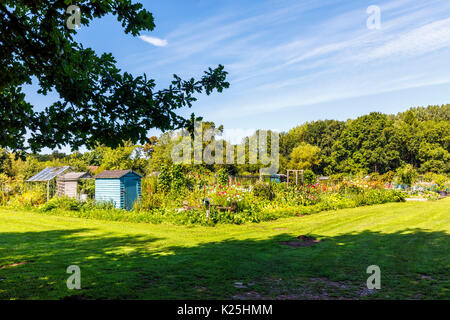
x,y
410,242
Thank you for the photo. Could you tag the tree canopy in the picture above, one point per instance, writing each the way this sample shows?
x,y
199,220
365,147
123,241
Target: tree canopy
x,y
403,145
97,102
375,142
305,156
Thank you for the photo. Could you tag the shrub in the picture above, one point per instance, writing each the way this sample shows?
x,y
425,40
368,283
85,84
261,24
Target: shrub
x,y
374,177
164,178
428,177
336,178
87,186
222,176
309,177
71,204
336,201
64,203
150,197
178,179
172,179
407,175
440,180
150,201
388,177
28,199
264,191
374,196
149,184
431,196
4,185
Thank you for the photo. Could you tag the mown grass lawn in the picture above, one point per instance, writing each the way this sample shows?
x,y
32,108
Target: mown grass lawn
x,y
410,242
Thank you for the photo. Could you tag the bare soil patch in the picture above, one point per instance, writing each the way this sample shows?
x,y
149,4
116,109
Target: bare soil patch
x,y
303,241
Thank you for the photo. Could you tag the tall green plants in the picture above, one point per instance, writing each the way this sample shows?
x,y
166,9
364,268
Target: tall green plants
x,y
407,175
309,177
222,176
172,179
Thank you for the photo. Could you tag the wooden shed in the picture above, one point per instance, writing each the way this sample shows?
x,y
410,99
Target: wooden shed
x,y
67,185
121,187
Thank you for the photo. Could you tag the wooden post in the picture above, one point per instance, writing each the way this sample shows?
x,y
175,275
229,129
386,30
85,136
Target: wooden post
x,y
48,190
287,181
296,177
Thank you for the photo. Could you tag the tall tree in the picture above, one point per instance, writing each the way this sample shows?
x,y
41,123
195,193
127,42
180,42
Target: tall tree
x,y
98,102
305,156
366,144
324,133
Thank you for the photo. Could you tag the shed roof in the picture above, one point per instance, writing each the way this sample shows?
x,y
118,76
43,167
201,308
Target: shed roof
x,y
92,168
48,174
75,176
114,174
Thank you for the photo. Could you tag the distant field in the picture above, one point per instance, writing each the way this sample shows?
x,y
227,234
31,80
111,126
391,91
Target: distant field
x,y
410,242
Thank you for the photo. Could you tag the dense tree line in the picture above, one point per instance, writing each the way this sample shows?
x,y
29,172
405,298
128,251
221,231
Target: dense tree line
x,y
372,143
417,139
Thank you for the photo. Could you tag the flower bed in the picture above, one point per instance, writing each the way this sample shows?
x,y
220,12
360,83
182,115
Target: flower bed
x,y
253,205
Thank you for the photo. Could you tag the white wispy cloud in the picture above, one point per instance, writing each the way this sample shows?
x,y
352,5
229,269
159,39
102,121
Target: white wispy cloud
x,y
276,61
154,41
428,38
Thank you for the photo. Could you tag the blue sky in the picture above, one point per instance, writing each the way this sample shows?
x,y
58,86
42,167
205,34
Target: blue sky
x,y
290,61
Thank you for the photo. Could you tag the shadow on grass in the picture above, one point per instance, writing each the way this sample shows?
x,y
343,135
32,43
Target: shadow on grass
x,y
414,264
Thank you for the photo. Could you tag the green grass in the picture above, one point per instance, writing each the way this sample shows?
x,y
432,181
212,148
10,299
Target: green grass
x,y
410,242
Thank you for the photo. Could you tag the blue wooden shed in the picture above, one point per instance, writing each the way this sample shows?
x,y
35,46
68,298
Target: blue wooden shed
x,y
121,187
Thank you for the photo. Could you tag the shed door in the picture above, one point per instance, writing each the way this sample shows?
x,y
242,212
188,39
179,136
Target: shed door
x,y
130,193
